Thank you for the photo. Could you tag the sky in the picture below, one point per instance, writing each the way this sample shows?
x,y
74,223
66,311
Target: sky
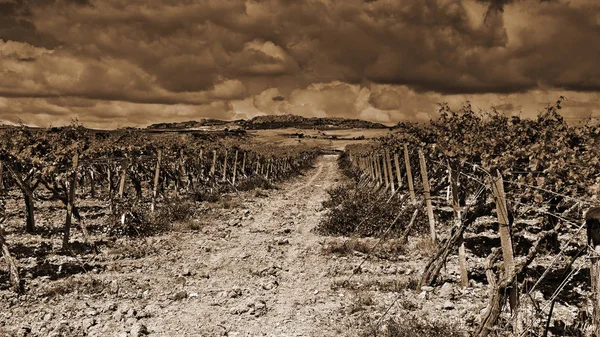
x,y
114,63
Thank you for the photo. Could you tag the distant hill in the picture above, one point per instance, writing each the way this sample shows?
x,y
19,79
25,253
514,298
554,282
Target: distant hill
x,y
299,122
193,124
273,122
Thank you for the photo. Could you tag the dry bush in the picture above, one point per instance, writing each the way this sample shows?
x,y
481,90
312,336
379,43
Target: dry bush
x,y
359,211
255,182
425,246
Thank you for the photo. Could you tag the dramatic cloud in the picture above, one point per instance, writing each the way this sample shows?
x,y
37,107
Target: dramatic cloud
x,y
381,60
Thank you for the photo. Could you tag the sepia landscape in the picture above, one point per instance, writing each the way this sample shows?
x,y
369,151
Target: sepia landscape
x,y
299,168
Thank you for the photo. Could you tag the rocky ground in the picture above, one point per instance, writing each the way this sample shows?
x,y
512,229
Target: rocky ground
x,y
248,267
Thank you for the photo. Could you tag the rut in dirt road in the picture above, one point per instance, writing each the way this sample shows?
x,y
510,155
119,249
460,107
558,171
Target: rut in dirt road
x,y
266,275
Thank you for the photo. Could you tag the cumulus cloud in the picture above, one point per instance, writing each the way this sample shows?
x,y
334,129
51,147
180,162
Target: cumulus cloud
x,y
381,60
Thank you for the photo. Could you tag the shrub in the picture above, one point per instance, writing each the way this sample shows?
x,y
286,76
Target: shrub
x,y
359,211
255,182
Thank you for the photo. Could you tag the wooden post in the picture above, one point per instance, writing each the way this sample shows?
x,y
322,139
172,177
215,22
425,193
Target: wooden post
x,y
234,167
201,164
244,164
156,179
181,172
462,258
409,177
110,188
388,161
427,193
595,278
373,168
70,202
92,183
257,171
225,167
378,180
123,177
398,175
505,237
214,164
384,170
1,176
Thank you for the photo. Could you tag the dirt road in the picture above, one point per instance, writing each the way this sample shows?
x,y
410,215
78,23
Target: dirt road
x,y
266,275
252,269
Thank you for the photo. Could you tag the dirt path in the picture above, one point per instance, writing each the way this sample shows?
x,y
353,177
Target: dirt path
x,y
266,275
252,268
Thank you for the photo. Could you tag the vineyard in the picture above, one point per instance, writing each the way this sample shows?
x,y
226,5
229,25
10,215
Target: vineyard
x,y
471,225
123,183
502,198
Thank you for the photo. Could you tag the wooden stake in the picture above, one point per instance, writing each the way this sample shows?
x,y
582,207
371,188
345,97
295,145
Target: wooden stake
x,y
156,179
70,202
214,164
225,167
244,164
505,236
409,177
1,176
201,164
595,278
398,175
388,160
385,174
234,167
462,258
427,193
123,177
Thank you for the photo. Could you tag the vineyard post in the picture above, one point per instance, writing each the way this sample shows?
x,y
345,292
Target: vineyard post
x,y
384,170
368,167
70,202
156,180
379,174
257,170
376,169
398,175
234,167
595,278
201,164
409,176
181,171
110,188
1,177
214,164
92,184
244,164
123,177
505,238
462,259
427,193
266,174
224,178
373,168
388,160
